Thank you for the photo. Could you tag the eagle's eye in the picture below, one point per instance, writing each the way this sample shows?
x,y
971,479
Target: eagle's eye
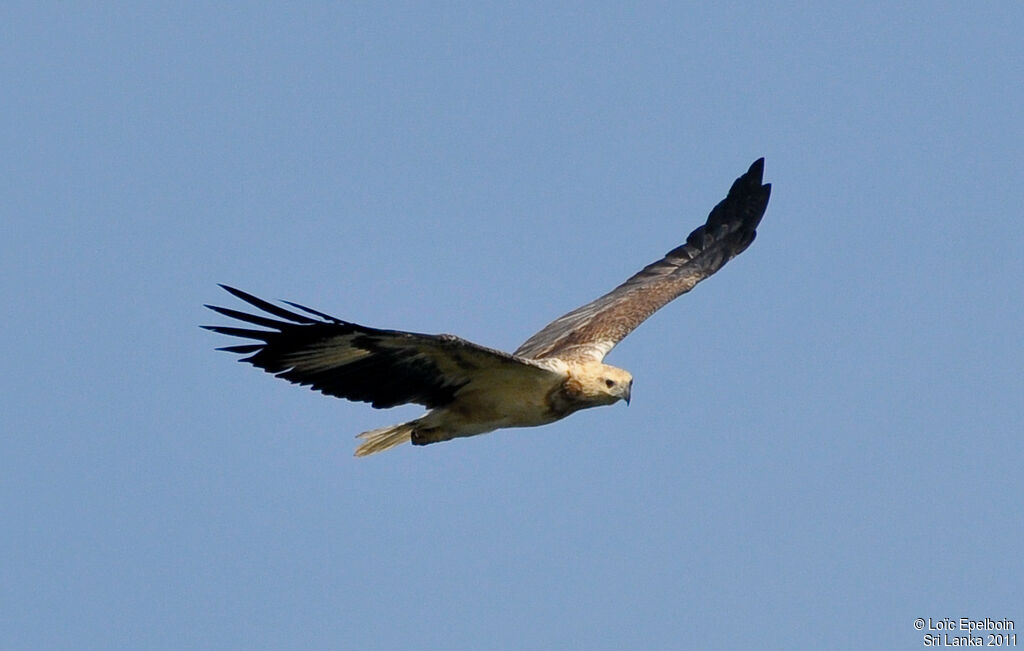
x,y
609,383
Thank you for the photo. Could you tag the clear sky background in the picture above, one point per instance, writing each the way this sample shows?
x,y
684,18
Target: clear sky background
x,y
826,440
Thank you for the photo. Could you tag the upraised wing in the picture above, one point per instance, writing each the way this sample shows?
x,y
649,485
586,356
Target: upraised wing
x,y
383,367
590,331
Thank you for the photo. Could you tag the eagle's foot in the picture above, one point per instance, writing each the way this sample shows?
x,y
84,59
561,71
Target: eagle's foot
x,y
427,435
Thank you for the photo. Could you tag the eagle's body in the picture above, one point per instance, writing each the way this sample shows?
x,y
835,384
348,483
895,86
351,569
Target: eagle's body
x,y
507,400
470,389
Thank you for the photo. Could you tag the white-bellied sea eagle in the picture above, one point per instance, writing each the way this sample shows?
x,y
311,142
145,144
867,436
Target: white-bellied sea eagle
x,y
469,389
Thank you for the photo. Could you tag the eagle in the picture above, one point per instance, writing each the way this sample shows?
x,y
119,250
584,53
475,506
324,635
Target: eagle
x,y
470,389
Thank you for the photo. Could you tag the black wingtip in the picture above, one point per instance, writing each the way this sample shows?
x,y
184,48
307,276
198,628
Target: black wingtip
x,y
318,313
757,169
267,307
237,293
244,349
744,205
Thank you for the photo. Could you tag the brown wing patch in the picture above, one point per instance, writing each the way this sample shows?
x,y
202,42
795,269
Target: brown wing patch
x,y
590,331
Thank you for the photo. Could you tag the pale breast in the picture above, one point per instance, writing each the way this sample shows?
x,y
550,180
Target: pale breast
x,y
508,400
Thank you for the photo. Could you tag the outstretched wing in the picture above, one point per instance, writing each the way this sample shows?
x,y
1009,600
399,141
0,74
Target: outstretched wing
x,y
383,367
590,331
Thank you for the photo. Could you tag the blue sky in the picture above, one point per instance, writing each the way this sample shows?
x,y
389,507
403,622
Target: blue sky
x,y
825,439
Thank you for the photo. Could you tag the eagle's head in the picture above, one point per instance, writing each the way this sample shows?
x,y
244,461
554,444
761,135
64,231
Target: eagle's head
x,y
602,384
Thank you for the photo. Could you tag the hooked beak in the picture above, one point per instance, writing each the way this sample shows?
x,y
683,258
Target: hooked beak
x,y
625,394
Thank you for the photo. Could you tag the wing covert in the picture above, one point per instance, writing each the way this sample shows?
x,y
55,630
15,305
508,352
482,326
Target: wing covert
x,y
338,358
590,331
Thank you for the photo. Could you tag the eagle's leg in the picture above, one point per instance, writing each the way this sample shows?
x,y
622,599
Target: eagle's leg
x,y
428,435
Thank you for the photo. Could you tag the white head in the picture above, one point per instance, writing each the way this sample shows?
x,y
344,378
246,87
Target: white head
x,y
602,384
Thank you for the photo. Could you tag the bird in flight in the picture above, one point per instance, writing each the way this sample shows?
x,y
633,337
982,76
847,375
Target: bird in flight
x,y
470,389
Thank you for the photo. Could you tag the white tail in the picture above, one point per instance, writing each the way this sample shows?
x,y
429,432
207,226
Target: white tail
x,y
385,438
